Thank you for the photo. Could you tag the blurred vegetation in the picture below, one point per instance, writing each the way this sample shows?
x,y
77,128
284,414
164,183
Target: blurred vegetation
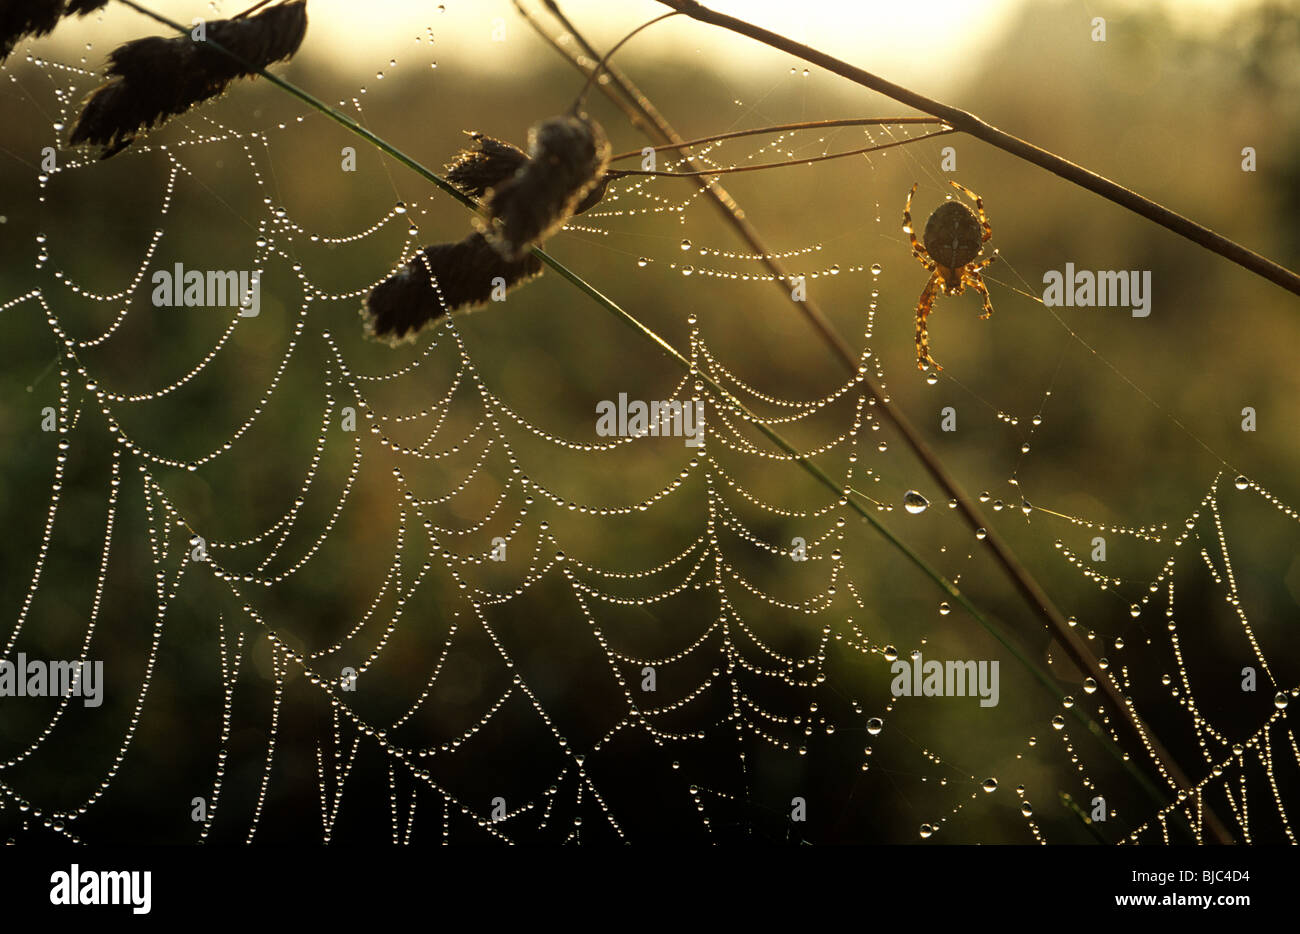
x,y
1126,440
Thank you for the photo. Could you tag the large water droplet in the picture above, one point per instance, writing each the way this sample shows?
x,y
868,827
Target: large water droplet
x,y
944,609
875,725
686,244
915,503
890,653
990,784
1058,722
1241,483
926,831
1280,700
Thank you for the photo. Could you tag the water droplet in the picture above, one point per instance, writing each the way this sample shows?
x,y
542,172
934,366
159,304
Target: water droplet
x,y
926,829
944,609
890,653
875,725
875,269
1089,685
1241,483
1058,722
990,785
1280,700
399,208
1024,448
643,262
1135,611
980,534
687,270
686,244
1027,809
915,503
932,379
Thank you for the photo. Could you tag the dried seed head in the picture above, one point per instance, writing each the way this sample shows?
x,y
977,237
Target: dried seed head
x,y
157,78
464,272
475,171
567,158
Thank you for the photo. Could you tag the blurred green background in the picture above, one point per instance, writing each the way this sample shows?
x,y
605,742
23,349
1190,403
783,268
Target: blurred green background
x,y
1142,416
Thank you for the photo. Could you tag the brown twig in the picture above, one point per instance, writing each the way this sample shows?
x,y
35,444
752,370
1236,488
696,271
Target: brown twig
x,y
780,128
644,115
735,169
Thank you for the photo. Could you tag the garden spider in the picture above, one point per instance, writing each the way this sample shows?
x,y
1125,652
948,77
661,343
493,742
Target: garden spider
x,y
952,243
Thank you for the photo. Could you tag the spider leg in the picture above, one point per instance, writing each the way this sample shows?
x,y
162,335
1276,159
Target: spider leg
x,y
976,282
979,206
918,250
923,309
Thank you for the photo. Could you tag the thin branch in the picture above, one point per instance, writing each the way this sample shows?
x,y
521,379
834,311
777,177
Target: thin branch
x,y
735,169
973,125
779,128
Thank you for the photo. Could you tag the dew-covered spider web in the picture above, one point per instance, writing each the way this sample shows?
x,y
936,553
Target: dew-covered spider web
x,y
348,591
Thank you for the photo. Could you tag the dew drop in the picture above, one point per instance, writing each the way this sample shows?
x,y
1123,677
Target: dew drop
x,y
927,830
643,262
981,534
1058,722
990,785
944,609
686,244
1241,483
1280,700
890,653
875,725
1027,809
875,269
1135,611
915,503
1089,685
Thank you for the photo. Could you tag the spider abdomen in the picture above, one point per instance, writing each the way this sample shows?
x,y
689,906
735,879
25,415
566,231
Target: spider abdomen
x,y
953,235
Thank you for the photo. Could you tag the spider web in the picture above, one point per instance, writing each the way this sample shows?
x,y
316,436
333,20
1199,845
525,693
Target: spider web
x,y
304,628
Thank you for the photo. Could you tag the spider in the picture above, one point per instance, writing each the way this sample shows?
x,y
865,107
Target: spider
x,y
952,243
